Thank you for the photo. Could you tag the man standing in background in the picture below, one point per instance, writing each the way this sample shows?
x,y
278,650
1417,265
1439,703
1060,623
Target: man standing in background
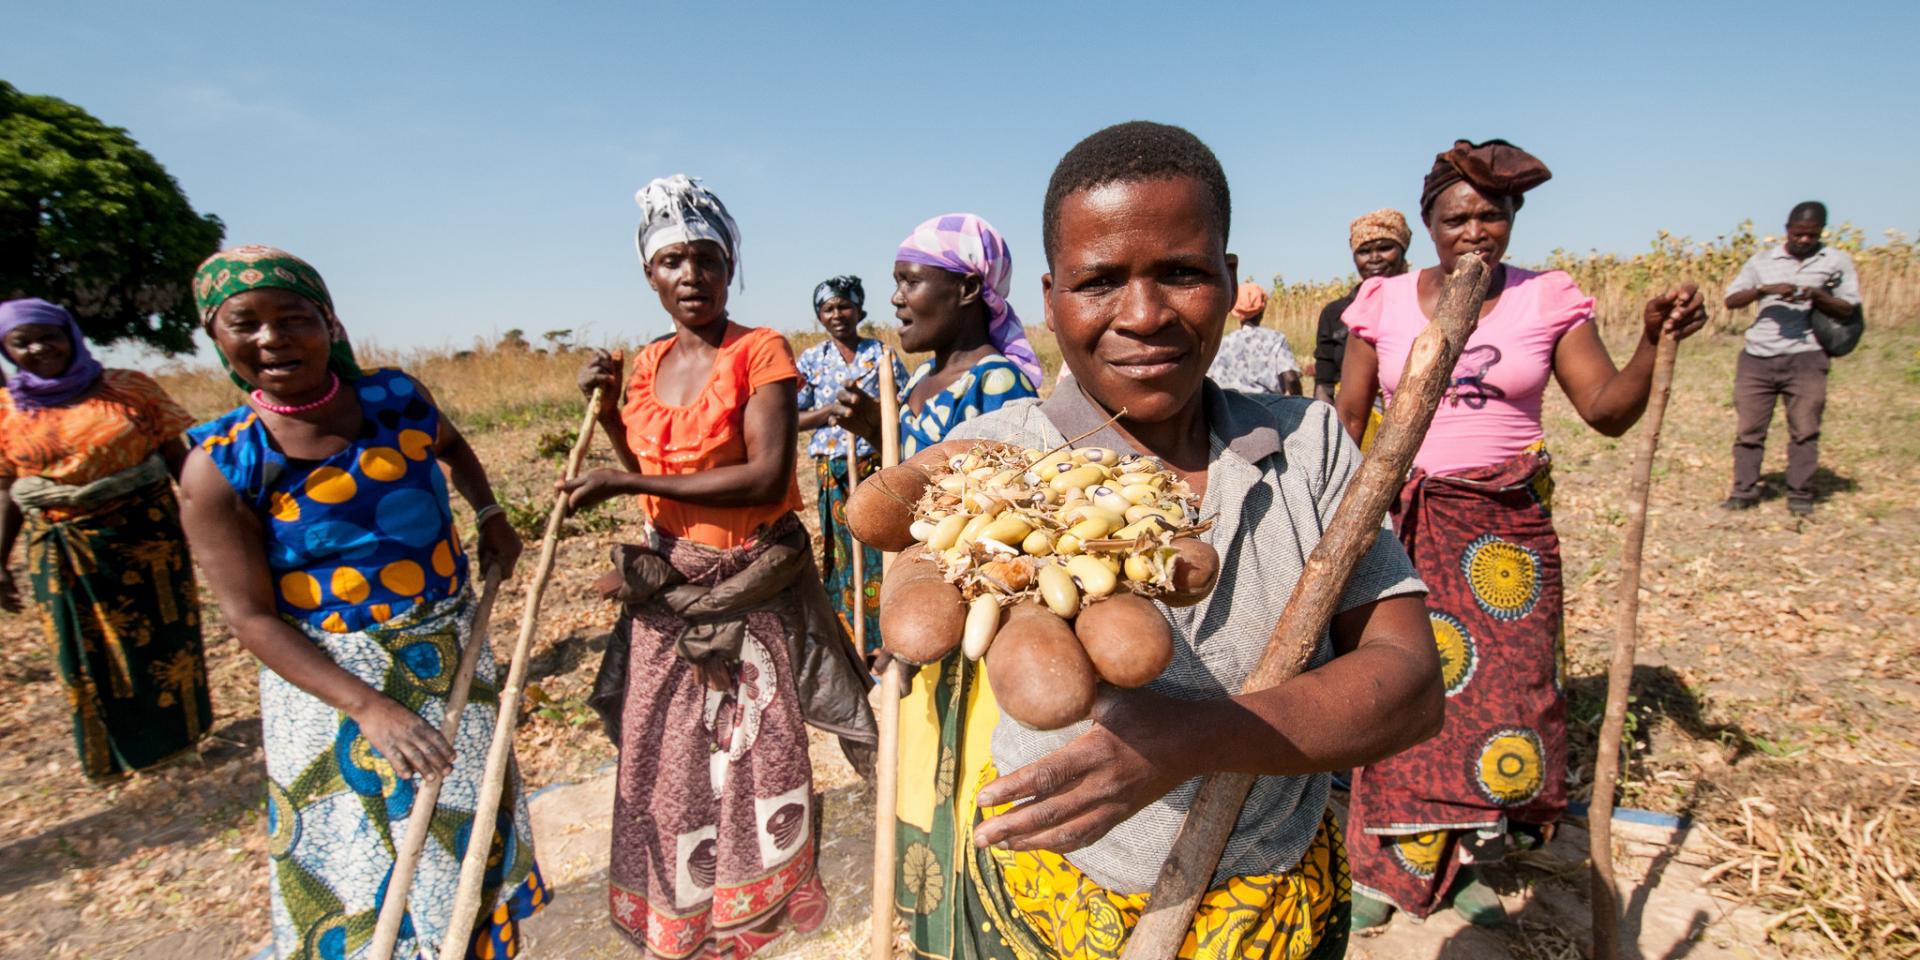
x,y
1254,359
1782,358
1378,242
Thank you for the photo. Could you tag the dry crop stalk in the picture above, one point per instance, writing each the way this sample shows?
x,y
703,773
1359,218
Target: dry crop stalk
x,y
886,774
1355,526
1604,896
394,908
473,868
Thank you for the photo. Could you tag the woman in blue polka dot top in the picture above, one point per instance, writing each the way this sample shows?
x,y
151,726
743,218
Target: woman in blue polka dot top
x,y
319,511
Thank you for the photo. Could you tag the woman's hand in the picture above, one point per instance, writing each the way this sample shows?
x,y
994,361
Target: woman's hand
x,y
1140,747
715,673
602,373
1680,312
611,585
410,744
594,486
500,546
9,593
861,416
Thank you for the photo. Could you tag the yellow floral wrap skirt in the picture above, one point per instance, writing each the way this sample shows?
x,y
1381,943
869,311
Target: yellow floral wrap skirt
x,y
1029,905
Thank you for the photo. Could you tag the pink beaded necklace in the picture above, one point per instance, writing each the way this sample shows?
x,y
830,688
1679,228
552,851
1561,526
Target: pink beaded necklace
x,y
260,399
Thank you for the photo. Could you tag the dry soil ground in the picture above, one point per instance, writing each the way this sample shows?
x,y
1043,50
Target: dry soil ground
x,y
1777,673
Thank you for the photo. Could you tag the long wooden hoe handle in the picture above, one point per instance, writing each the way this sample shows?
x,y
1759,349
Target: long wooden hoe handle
x,y
1605,897
1355,526
394,908
473,868
886,774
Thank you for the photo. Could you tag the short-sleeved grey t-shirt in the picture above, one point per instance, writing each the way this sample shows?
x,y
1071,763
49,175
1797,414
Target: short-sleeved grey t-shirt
x,y
1277,469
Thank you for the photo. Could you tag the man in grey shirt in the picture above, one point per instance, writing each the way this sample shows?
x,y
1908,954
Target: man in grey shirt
x,y
1782,358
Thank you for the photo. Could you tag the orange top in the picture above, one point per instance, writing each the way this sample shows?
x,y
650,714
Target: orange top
x,y
707,433
116,427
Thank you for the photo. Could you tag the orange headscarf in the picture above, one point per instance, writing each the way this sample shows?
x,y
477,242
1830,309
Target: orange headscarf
x,y
1251,301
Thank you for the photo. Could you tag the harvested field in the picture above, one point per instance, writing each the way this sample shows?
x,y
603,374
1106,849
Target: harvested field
x,y
1777,699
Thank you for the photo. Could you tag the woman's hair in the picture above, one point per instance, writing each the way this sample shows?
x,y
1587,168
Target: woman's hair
x,y
1132,152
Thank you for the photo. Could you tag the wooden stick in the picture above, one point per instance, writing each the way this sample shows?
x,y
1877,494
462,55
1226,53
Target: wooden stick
x,y
1352,532
466,900
1605,897
859,612
394,908
886,774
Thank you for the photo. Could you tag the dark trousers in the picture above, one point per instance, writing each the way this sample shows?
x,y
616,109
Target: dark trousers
x,y
1801,378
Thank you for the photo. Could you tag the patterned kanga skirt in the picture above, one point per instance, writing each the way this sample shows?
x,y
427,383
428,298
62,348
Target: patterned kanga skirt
x,y
336,812
118,603
849,599
713,813
1484,544
1036,905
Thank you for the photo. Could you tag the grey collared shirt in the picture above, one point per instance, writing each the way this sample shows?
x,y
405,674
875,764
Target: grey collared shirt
x,y
1782,326
1278,466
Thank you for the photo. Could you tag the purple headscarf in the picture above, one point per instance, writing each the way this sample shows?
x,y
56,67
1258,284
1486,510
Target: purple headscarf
x,y
31,392
967,245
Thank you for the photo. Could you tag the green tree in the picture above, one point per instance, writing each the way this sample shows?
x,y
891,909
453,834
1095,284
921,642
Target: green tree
x,y
91,221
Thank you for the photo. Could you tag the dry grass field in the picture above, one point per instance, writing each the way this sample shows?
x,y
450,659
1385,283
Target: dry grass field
x,y
1777,701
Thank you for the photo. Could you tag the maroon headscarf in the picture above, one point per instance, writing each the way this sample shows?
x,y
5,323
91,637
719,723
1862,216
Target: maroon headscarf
x,y
1496,168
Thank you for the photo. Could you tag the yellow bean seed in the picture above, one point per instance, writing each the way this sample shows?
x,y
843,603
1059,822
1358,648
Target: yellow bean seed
x,y
1037,544
971,531
1058,592
1088,511
1067,545
1094,577
1082,477
947,532
921,530
1139,569
1108,498
1092,528
1149,524
983,618
1007,530
1140,493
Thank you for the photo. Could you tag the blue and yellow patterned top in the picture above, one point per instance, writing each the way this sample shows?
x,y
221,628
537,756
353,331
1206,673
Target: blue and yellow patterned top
x,y
990,384
823,370
360,536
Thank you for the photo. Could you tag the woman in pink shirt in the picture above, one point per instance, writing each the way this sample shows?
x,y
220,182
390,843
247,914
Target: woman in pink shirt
x,y
1476,518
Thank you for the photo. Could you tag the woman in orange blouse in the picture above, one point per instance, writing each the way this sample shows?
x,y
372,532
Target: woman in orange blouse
x,y
713,845
86,456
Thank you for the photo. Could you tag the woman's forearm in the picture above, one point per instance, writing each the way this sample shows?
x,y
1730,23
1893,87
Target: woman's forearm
x,y
739,485
469,475
616,431
1359,708
1616,406
302,663
10,521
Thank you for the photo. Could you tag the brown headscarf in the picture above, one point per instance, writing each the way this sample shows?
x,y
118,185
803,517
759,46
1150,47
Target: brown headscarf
x,y
1496,168
1383,224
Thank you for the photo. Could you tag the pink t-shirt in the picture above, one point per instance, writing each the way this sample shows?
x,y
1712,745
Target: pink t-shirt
x,y
1492,409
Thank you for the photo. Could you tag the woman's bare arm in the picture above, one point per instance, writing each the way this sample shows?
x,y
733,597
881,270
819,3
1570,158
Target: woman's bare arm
x,y
769,431
1359,383
1611,400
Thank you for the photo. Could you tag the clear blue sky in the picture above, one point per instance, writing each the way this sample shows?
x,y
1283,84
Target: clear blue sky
x,y
458,170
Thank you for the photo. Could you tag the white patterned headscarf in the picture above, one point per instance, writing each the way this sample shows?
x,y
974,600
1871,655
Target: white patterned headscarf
x,y
678,209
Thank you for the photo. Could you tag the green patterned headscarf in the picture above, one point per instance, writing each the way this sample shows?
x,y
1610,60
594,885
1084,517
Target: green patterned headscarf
x,y
252,267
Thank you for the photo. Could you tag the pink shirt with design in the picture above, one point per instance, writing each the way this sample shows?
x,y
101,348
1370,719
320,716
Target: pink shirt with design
x,y
1491,411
